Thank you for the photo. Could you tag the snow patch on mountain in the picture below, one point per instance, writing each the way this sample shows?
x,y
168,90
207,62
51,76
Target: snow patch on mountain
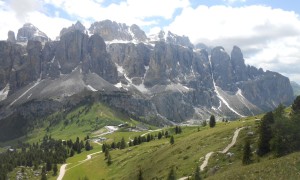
x,y
4,92
34,85
91,88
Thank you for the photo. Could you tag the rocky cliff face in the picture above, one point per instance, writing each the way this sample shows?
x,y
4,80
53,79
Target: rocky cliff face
x,y
30,32
161,78
111,30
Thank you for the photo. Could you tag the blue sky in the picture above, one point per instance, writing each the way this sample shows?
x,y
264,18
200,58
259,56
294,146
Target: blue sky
x,y
267,31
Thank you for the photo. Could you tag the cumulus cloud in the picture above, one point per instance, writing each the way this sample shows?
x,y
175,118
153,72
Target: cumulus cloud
x,y
129,11
23,8
268,37
12,21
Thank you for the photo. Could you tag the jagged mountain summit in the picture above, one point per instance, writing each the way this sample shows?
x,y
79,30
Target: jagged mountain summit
x,y
162,78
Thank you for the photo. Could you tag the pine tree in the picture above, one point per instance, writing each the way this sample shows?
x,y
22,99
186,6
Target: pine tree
x,y
123,143
172,141
106,154
172,175
265,134
135,141
197,175
72,153
140,175
55,169
179,130
48,166
212,121
104,147
109,160
296,105
159,136
148,138
87,145
166,134
247,153
44,177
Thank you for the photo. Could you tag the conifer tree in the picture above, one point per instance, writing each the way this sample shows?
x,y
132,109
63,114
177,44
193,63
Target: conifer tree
x,y
172,141
87,145
159,136
106,154
265,134
140,175
44,177
48,166
212,121
109,160
55,169
123,143
148,138
247,153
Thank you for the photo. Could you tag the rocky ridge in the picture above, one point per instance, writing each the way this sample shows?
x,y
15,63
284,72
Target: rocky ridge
x,y
162,78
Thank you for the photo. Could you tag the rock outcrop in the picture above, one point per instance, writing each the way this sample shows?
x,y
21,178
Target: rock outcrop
x,y
30,32
11,37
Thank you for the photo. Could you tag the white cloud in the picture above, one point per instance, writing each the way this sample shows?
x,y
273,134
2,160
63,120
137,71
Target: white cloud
x,y
269,38
130,11
22,9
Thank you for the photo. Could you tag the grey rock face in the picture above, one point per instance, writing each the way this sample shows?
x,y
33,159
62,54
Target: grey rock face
x,y
222,69
133,58
30,32
138,33
111,30
100,61
268,90
172,39
11,37
169,63
77,26
70,50
179,40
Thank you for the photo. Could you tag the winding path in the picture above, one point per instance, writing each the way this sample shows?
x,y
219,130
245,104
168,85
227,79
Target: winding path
x,y
234,138
205,162
63,169
208,155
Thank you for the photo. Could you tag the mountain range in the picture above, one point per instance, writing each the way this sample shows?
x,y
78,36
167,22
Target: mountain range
x,y
158,79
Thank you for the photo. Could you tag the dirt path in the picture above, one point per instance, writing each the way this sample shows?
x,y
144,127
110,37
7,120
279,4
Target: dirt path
x,y
236,134
234,138
62,171
89,156
150,132
208,155
205,162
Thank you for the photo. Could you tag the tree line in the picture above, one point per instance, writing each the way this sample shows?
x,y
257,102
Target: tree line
x,y
278,133
47,154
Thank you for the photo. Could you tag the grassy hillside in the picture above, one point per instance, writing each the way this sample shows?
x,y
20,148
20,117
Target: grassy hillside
x,y
82,121
157,157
